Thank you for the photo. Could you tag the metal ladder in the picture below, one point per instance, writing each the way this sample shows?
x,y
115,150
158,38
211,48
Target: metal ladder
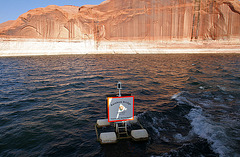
x,y
121,130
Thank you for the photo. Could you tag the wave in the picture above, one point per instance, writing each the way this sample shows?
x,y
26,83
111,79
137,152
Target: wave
x,y
198,125
172,129
207,124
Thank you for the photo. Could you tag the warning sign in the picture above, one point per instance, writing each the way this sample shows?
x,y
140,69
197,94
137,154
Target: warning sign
x,y
120,108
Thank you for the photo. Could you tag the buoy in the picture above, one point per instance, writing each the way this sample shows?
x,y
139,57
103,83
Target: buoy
x,y
102,123
108,138
120,111
139,135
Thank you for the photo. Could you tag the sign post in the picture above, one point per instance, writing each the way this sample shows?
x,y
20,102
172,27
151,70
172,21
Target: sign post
x,y
120,108
119,87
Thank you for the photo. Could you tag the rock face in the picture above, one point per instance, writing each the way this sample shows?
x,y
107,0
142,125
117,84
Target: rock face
x,y
6,24
49,22
132,20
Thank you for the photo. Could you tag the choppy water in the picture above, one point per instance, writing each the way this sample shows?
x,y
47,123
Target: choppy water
x,y
189,104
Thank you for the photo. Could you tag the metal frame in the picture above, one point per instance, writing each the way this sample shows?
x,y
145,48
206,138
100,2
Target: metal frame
x,y
118,133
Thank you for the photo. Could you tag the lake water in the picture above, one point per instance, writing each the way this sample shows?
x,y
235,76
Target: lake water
x,y
189,104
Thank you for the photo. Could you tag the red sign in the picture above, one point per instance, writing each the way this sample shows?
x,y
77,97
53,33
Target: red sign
x,y
120,108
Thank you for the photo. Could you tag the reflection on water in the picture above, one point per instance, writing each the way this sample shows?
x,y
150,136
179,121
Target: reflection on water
x,y
49,104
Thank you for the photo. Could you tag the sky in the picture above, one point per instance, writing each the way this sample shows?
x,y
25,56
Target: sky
x,y
12,9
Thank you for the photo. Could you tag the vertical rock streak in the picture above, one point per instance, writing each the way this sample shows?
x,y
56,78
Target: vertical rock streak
x,y
132,20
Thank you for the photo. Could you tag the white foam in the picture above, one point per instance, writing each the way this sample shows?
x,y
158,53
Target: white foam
x,y
222,88
175,96
180,138
182,99
206,103
205,128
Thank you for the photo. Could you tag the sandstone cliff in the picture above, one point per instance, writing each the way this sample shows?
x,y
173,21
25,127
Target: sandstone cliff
x,y
132,20
6,24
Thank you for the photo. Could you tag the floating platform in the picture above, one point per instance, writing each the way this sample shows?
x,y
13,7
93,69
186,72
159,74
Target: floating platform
x,y
139,135
103,123
121,122
109,133
108,138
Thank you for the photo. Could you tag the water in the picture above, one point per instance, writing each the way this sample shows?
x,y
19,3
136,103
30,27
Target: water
x,y
189,104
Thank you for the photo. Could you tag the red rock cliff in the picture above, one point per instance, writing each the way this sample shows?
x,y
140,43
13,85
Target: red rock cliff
x,y
132,20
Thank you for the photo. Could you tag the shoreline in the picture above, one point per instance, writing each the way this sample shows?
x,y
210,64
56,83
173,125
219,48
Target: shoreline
x,y
39,47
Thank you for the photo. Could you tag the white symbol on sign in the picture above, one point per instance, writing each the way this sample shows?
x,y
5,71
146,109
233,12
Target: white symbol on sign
x,y
121,109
